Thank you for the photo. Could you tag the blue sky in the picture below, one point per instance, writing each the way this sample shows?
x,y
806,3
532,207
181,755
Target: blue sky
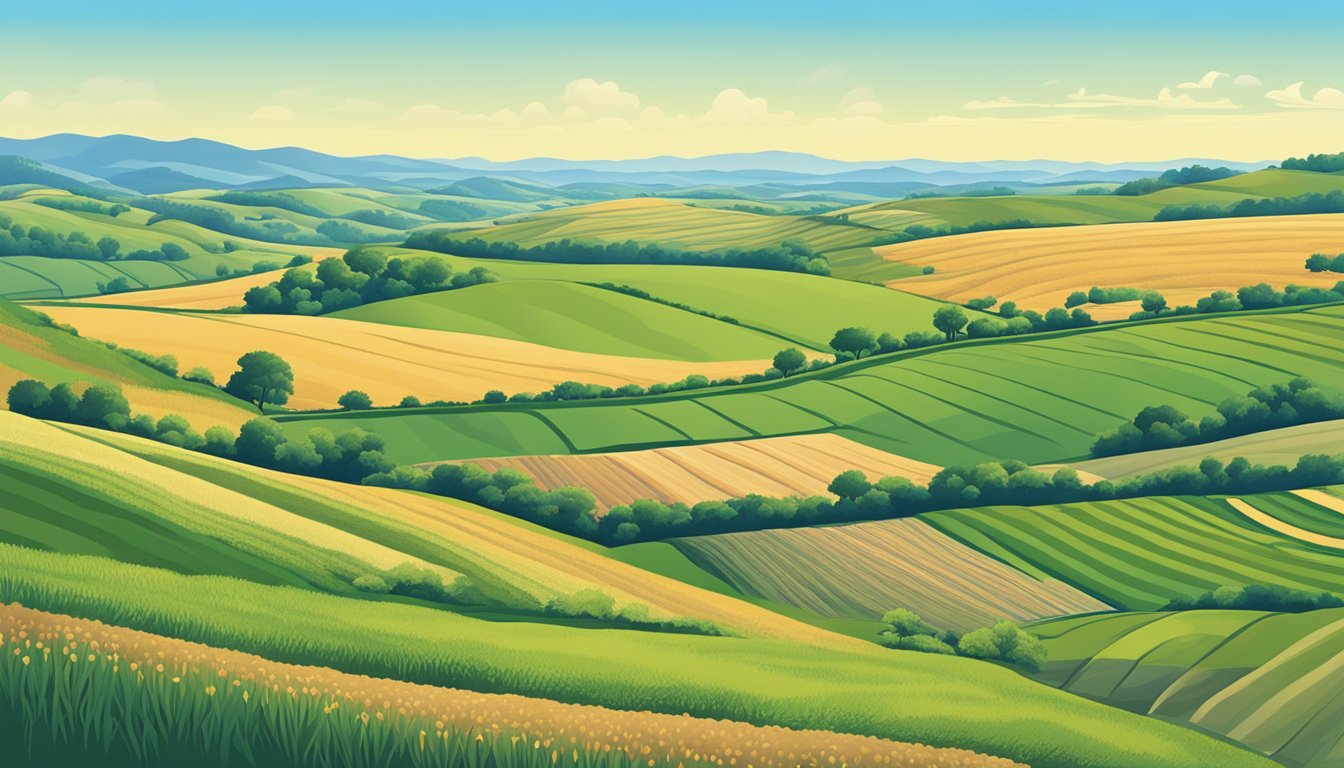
x,y
955,80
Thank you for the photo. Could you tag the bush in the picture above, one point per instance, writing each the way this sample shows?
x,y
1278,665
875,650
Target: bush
x,y
360,277
1006,642
355,400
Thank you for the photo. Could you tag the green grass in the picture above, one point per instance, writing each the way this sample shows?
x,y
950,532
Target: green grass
x,y
1140,553
1215,669
573,316
942,701
1037,399
791,308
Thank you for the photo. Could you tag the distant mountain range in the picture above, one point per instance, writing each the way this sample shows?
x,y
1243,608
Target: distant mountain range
x,y
146,166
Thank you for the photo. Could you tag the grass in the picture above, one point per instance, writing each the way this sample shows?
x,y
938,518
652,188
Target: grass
x,y
1139,554
1183,260
863,571
573,316
143,699
841,687
1268,680
31,348
1037,399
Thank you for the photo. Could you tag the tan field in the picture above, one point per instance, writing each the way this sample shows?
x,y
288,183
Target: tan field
x,y
404,709
1183,260
331,355
218,294
868,569
801,465
1287,529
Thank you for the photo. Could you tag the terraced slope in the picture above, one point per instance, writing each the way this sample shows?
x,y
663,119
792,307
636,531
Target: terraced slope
x,y
802,465
31,348
332,355
1270,681
1140,553
1184,260
863,571
1039,400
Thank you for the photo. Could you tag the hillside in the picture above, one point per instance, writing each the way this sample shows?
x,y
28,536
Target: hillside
x,y
714,677
1025,398
32,348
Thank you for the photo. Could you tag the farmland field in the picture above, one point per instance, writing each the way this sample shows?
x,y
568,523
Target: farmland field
x,y
1182,260
1024,399
331,355
1267,680
1139,554
1275,446
774,466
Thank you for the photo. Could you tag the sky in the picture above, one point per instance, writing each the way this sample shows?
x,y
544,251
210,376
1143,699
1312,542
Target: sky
x,y
1079,80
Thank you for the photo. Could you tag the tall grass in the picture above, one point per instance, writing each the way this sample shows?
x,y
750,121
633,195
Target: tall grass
x,y
77,688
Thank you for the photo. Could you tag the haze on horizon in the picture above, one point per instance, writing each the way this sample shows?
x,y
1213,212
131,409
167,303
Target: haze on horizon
x,y
972,80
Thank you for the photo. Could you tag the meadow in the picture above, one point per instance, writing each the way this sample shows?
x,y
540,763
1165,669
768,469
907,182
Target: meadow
x,y
1267,680
1182,260
1026,398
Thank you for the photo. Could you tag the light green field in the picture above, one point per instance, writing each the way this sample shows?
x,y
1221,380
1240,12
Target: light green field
x,y
1301,513
1270,681
1140,553
573,316
1276,446
1040,399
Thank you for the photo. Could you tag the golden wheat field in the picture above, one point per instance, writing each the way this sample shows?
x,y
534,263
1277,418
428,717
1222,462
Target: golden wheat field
x,y
866,570
1183,260
801,465
332,355
543,564
216,294
226,677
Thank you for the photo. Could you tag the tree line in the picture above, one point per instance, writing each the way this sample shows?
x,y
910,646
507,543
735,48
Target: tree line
x,y
361,276
1321,163
1273,406
17,240
1311,202
792,255
1249,297
1194,174
1256,597
1320,262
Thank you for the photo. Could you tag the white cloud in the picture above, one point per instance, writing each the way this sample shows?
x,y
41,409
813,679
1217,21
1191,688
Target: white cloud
x,y
1206,82
1165,100
535,111
587,96
16,101
1246,80
1291,96
116,89
861,102
735,106
832,71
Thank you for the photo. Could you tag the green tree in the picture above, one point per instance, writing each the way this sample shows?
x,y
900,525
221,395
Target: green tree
x,y
29,397
950,320
355,400
789,360
262,377
108,247
1153,301
850,484
854,341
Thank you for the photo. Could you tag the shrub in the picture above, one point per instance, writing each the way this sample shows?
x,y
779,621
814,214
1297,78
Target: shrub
x,y
355,400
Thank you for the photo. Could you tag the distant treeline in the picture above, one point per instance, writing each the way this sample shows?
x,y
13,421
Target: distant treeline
x,y
265,228
1256,597
792,255
1312,202
16,240
338,230
83,205
1318,163
980,192
361,276
1195,174
1258,296
1300,401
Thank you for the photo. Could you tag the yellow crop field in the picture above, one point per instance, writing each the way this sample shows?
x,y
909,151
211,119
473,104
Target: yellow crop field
x,y
217,681
1183,260
332,355
801,465
862,571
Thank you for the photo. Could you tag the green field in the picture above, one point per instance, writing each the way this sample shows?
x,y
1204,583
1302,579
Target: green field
x,y
1299,512
1270,681
1138,554
573,316
1035,399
